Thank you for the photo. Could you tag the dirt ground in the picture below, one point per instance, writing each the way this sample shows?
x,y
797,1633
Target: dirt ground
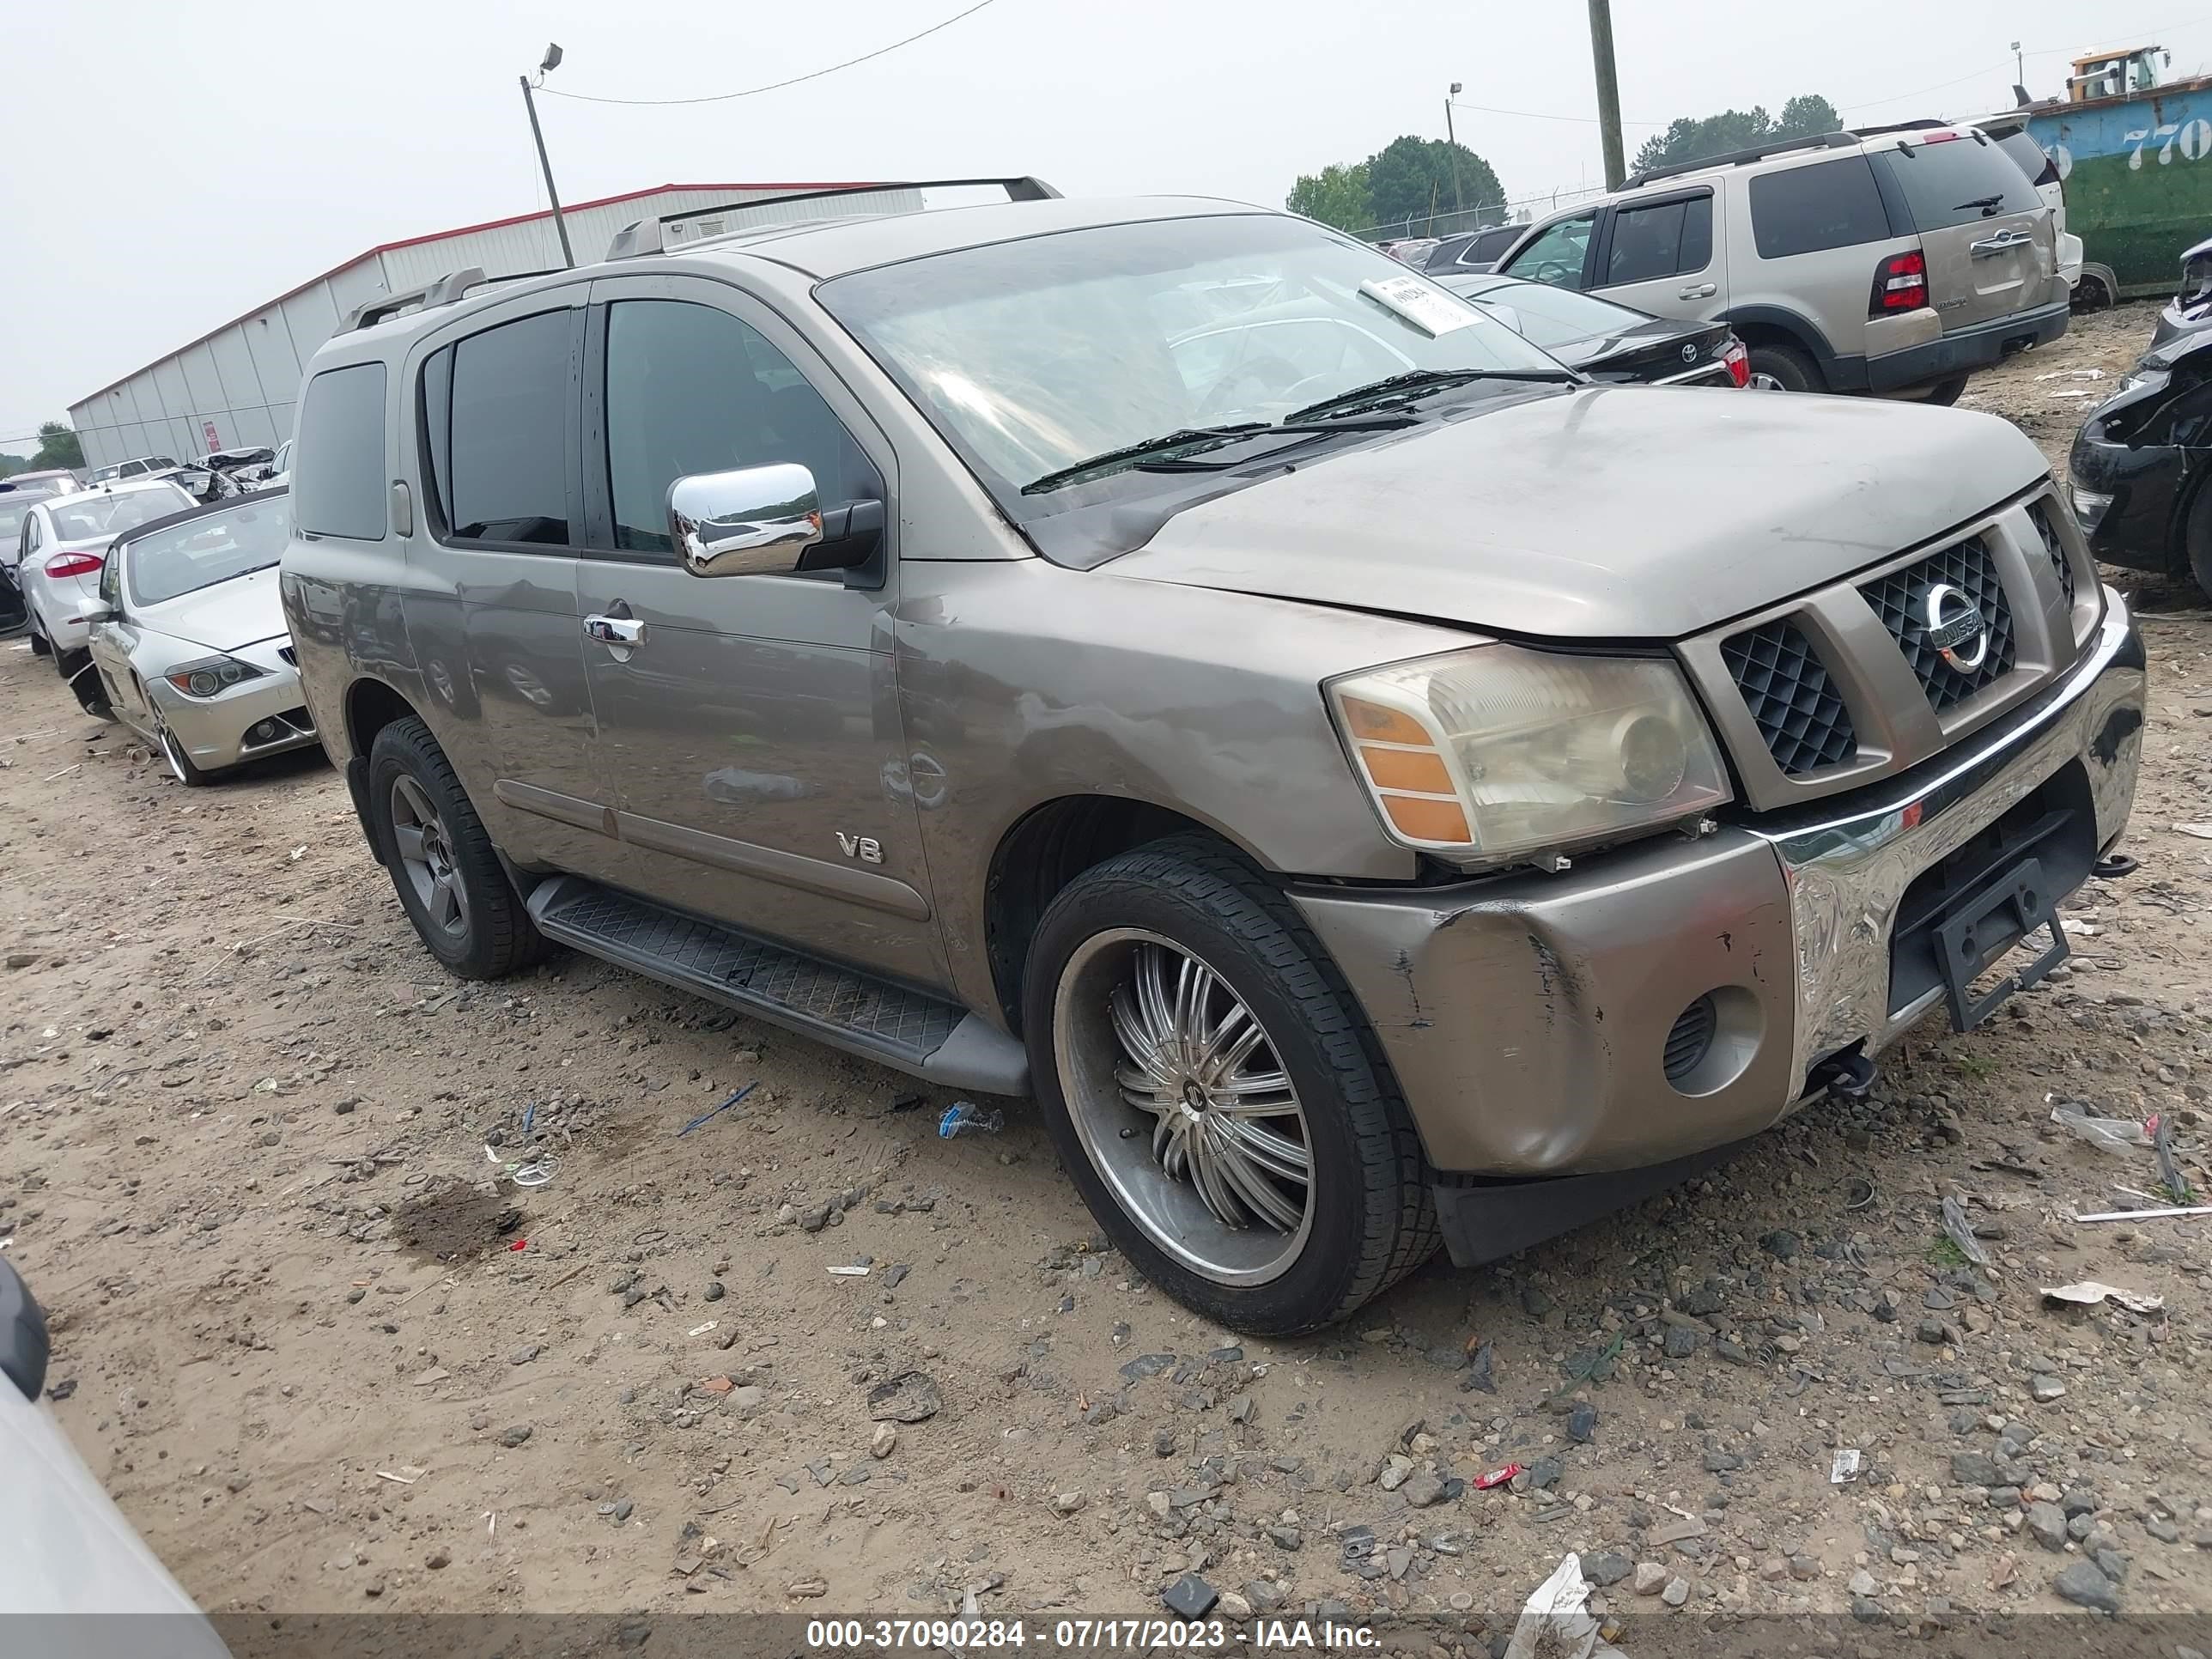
x,y
257,1156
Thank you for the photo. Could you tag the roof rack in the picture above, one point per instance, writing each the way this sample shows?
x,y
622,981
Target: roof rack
x,y
644,236
1737,158
445,291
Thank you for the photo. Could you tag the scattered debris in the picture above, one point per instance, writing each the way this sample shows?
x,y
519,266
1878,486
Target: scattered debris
x,y
1556,1620
2148,1215
1495,1478
2106,1135
1960,1233
1844,1467
2202,831
2088,1292
705,1117
965,1117
910,1397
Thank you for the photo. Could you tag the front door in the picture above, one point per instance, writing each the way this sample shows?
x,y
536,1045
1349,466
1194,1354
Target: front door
x,y
753,730
113,643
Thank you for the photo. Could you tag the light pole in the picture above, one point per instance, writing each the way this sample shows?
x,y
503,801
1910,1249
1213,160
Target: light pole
x,y
1452,139
552,61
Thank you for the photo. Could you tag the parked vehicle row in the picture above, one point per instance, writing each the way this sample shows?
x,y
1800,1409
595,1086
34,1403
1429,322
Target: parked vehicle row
x,y
1183,663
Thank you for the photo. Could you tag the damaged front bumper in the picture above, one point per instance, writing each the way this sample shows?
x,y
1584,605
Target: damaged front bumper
x,y
1567,1043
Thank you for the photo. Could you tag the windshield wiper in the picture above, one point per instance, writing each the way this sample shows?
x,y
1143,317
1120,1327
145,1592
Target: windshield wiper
x,y
1168,452
1984,203
1416,381
1187,438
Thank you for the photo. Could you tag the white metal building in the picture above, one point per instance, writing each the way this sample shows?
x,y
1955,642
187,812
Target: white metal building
x,y
238,383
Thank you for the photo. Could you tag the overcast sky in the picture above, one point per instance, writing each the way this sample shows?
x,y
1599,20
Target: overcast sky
x,y
173,167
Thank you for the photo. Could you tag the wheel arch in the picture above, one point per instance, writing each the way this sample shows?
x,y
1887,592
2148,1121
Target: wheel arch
x,y
1048,847
370,705
1771,325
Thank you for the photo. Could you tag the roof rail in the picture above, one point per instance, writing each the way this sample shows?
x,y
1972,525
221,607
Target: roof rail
x,y
644,236
445,291
1737,158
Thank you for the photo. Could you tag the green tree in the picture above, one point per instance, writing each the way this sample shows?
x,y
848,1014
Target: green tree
x,y
1690,139
1411,179
57,447
11,464
1337,196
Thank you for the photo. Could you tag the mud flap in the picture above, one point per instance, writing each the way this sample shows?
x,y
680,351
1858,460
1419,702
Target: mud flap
x,y
1482,1220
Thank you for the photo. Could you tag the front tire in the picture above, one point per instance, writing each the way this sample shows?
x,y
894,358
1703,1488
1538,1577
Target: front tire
x,y
448,879
2197,538
1216,1095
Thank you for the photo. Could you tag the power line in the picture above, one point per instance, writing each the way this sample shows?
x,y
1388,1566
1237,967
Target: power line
x,y
776,85
1538,115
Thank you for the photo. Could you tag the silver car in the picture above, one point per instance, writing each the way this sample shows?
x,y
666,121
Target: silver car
x,y
76,1582
61,545
189,637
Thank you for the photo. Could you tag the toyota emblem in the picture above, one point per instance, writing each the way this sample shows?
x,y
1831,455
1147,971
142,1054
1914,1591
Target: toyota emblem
x,y
1689,353
1956,628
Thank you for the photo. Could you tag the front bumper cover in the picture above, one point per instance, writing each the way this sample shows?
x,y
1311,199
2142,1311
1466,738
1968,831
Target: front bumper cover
x,y
217,731
1527,1016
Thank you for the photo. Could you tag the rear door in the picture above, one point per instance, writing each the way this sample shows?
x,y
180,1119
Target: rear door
x,y
1663,255
1987,236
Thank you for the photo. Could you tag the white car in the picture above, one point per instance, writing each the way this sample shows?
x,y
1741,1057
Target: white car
x,y
59,552
75,1581
190,641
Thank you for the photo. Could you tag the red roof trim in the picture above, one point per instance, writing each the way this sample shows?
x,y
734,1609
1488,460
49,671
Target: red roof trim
x,y
439,236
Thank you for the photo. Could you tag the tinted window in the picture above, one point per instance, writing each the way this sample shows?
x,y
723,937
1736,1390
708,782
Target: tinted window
x,y
505,471
692,389
2040,168
339,490
1960,182
1664,240
1827,204
1484,248
1556,255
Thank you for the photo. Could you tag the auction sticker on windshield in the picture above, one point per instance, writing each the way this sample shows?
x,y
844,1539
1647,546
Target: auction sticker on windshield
x,y
1427,308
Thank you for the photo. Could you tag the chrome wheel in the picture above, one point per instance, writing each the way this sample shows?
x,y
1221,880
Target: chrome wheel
x,y
1181,1101
1766,383
426,856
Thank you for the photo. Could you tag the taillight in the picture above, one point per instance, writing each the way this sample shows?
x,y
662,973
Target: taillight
x,y
74,564
1900,283
1738,361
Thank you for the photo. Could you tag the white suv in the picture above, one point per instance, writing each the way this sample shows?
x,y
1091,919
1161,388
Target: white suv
x,y
1896,264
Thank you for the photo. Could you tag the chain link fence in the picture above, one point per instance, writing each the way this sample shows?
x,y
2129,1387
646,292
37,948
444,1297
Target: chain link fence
x,y
1520,211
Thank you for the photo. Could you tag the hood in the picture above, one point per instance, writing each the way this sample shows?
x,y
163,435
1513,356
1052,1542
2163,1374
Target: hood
x,y
241,611
1608,513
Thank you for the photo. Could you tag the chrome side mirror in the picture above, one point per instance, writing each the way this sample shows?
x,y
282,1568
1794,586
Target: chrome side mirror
x,y
755,521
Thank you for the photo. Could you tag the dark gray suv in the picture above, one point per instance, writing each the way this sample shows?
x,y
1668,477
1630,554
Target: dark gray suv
x,y
1374,787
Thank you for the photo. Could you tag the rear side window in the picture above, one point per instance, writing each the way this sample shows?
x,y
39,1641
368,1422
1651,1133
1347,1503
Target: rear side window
x,y
498,416
2040,169
339,490
1959,181
1664,240
1827,204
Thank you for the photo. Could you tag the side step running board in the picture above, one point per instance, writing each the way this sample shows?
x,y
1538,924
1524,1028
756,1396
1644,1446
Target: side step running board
x,y
919,1034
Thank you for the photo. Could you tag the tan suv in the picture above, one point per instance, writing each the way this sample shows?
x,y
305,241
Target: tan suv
x,y
1896,264
1374,786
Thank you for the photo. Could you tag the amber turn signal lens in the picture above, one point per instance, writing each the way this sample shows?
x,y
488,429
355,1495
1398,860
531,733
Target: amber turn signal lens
x,y
1421,819
1372,720
1422,771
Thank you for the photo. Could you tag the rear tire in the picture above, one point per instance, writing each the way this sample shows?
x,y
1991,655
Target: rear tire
x,y
449,879
1776,368
1302,1138
2197,538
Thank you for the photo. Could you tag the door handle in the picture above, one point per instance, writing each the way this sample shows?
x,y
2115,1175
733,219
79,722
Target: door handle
x,y
2003,242
615,630
1697,291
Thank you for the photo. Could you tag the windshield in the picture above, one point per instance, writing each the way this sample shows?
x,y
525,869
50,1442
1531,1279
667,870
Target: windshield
x,y
186,557
85,518
2040,168
1544,315
1033,355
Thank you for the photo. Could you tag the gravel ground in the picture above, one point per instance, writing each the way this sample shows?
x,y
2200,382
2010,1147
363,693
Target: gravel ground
x,y
257,1157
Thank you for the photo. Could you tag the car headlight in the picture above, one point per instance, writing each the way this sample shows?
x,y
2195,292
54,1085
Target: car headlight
x,y
1497,752
216,674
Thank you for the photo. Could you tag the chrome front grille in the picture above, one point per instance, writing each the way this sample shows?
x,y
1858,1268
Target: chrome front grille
x,y
1796,704
1864,678
1901,600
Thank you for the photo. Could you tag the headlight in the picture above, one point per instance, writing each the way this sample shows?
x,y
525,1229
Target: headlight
x,y
205,679
1497,752
2089,507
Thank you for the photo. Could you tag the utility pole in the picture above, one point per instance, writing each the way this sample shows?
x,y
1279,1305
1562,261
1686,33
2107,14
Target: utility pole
x,y
552,62
1452,139
1608,92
